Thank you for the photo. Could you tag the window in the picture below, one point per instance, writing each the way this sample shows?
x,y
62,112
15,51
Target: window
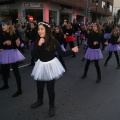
x,y
110,8
103,4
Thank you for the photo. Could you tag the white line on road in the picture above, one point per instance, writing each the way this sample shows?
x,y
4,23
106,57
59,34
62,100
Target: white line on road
x,y
21,66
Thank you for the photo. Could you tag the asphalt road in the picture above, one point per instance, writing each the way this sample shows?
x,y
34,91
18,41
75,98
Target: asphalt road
x,y
76,99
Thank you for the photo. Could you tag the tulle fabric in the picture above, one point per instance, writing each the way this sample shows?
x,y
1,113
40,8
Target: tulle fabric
x,y
93,54
107,35
111,47
46,71
32,46
10,56
70,39
76,34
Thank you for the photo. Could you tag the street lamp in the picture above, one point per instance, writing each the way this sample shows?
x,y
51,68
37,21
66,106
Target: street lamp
x,y
96,4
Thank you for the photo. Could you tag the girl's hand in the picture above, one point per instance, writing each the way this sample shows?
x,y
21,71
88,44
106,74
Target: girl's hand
x,y
118,40
41,41
1,50
67,33
95,43
17,42
75,49
106,43
7,42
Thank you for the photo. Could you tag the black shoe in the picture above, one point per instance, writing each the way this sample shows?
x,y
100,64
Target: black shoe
x,y
105,64
98,80
83,76
73,56
19,92
37,104
4,87
118,67
51,111
83,59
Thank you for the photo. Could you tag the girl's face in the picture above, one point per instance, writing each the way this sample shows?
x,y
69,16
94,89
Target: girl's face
x,y
115,32
5,27
32,26
57,30
41,31
94,27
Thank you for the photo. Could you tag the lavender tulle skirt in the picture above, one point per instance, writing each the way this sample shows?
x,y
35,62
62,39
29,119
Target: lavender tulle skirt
x,y
32,46
76,34
93,54
47,71
10,56
107,35
111,47
62,47
86,42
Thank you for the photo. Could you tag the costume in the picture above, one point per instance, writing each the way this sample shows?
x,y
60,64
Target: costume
x,y
113,47
93,53
10,56
46,70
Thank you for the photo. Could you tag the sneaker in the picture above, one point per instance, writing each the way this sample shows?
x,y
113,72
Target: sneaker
x,y
37,104
83,76
118,67
105,64
98,80
52,111
19,92
4,87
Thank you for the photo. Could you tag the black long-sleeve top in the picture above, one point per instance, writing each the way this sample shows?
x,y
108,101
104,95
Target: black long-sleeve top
x,y
59,37
113,40
33,34
93,36
108,29
69,31
41,53
6,36
75,27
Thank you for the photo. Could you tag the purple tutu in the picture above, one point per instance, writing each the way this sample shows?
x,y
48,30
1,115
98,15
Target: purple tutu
x,y
93,54
76,34
62,47
111,47
10,56
107,35
85,43
32,46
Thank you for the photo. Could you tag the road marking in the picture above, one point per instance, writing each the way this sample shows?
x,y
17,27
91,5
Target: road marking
x,y
21,66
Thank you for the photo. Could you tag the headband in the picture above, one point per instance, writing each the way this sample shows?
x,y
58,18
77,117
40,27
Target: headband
x,y
4,23
46,24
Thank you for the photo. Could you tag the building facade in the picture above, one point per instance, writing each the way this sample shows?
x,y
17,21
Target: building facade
x,y
57,11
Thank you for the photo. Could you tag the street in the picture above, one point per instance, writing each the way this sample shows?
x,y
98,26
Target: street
x,y
76,98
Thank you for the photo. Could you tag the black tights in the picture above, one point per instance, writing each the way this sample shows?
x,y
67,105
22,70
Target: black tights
x,y
50,90
96,66
5,73
110,55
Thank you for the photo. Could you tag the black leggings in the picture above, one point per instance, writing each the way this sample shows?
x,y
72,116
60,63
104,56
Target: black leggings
x,y
5,73
96,66
50,90
110,55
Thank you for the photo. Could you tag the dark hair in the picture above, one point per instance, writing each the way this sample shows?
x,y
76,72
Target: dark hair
x,y
50,42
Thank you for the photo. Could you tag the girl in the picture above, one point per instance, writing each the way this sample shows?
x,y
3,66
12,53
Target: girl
x,y
113,47
93,52
89,30
10,55
58,35
47,67
69,38
33,34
